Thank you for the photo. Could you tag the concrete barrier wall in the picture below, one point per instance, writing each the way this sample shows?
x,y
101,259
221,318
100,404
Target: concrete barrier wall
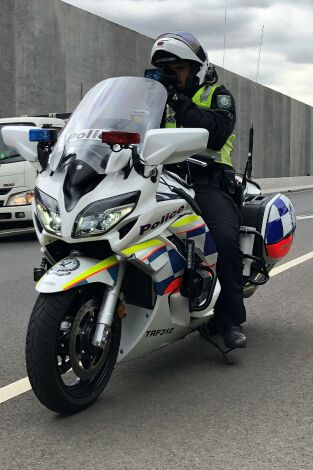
x,y
283,129
53,53
7,54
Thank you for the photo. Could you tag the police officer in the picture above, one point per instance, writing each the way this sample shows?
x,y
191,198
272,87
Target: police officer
x,y
195,99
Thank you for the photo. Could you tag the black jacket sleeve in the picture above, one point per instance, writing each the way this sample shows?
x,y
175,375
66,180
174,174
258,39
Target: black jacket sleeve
x,y
219,120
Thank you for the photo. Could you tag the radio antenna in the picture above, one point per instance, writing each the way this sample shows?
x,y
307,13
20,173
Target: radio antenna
x,y
225,24
248,169
258,66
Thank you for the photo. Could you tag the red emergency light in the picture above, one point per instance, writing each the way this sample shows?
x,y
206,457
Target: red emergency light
x,y
120,137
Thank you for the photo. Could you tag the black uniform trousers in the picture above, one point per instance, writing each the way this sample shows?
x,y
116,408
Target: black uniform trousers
x,y
222,215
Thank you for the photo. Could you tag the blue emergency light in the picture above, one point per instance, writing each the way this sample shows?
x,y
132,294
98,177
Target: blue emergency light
x,y
42,135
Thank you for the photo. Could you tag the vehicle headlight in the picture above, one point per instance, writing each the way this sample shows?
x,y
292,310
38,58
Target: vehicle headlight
x,y
21,199
48,212
99,223
102,216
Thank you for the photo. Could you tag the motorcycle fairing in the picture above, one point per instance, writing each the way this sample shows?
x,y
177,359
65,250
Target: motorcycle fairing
x,y
194,227
145,330
164,263
76,271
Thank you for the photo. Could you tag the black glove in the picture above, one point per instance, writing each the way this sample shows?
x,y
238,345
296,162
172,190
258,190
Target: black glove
x,y
175,99
167,77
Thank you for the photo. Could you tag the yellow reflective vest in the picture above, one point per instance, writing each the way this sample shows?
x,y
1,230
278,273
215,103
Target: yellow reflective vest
x,y
203,99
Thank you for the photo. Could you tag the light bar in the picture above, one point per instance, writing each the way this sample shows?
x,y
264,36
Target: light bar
x,y
120,137
43,135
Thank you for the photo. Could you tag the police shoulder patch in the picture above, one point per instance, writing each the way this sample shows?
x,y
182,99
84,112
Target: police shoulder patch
x,y
223,101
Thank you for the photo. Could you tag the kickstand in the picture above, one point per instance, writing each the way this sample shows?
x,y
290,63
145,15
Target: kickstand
x,y
224,353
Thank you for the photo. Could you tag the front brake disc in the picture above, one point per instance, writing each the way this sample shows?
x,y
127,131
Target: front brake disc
x,y
86,360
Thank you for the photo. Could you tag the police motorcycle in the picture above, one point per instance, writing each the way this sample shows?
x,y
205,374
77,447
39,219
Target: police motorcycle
x,y
129,265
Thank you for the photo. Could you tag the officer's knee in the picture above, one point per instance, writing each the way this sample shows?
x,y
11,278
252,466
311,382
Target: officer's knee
x,y
226,239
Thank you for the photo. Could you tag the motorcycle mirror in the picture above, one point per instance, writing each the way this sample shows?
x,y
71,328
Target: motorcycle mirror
x,y
17,137
47,136
167,146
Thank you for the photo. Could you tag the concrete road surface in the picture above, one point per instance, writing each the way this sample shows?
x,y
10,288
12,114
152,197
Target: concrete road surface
x,y
181,407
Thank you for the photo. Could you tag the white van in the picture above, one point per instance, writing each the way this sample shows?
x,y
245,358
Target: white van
x,y
17,179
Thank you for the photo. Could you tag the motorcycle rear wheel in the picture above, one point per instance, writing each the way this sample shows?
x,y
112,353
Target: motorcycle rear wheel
x,y
65,372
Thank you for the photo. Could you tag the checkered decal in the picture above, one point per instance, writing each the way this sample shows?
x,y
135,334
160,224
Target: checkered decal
x,y
165,263
281,220
193,226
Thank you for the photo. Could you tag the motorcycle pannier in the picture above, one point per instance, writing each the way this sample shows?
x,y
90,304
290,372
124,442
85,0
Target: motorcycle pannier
x,y
267,231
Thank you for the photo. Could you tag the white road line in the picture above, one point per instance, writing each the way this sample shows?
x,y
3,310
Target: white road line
x,y
291,264
15,389
23,385
303,217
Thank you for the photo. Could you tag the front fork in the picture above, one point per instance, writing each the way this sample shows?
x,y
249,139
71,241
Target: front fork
x,y
107,309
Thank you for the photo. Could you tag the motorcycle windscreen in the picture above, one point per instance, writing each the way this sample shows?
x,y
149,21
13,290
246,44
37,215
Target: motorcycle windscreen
x,y
131,104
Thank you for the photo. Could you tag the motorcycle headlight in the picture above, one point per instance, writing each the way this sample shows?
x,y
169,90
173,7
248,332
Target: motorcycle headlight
x,y
102,216
48,212
21,199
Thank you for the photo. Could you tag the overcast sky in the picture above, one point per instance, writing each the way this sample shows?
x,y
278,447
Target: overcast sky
x,y
286,62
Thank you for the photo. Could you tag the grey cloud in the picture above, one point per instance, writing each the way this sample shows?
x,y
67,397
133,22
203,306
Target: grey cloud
x,y
300,53
249,4
263,4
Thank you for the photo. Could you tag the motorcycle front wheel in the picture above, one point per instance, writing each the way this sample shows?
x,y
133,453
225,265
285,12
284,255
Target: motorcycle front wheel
x,y
67,373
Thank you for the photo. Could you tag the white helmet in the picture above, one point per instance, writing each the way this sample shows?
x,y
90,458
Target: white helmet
x,y
170,47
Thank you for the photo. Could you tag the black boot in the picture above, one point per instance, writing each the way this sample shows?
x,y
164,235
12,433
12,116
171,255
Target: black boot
x,y
234,337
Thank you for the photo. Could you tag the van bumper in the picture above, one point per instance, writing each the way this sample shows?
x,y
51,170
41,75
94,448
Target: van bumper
x,y
17,219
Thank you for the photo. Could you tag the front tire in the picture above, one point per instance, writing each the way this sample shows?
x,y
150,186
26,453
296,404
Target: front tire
x,y
65,372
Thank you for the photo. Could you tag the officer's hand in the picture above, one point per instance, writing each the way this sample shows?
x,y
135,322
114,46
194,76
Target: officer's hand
x,y
171,93
174,98
168,78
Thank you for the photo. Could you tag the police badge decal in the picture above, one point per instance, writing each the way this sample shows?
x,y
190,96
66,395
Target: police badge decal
x,y
65,267
223,101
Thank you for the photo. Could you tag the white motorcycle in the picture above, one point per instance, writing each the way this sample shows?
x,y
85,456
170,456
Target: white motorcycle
x,y
129,264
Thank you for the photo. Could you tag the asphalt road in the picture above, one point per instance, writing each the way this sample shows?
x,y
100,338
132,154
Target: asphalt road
x,y
181,407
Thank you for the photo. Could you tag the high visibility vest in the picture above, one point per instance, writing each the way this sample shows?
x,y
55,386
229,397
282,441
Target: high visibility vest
x,y
203,99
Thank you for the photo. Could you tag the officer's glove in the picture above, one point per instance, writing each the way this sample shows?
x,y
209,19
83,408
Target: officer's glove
x,y
175,99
